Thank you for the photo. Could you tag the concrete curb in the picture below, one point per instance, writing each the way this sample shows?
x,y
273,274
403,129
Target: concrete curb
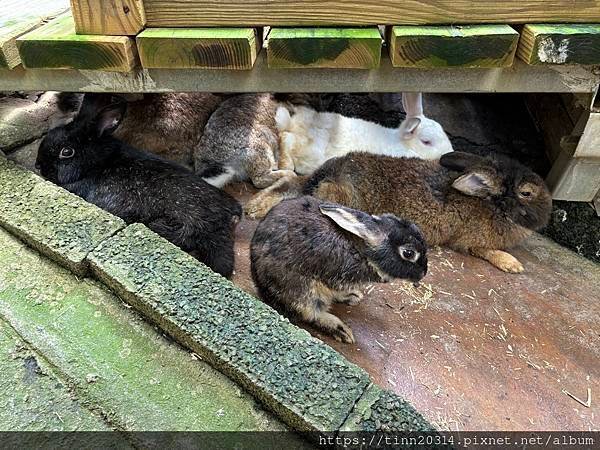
x,y
307,383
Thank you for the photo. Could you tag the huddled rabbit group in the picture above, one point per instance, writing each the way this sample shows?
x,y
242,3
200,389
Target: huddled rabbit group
x,y
345,201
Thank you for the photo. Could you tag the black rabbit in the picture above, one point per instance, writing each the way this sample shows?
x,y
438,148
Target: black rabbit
x,y
307,254
84,158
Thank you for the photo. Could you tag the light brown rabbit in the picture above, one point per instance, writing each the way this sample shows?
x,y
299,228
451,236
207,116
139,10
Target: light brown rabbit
x,y
480,205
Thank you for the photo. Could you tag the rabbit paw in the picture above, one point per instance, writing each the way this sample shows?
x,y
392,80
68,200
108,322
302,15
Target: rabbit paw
x,y
260,205
343,333
500,259
350,298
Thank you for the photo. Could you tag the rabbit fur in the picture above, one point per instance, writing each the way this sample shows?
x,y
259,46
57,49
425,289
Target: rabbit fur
x,y
241,142
84,158
308,138
307,254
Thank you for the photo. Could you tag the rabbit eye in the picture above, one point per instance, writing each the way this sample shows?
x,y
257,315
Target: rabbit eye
x,y
408,254
426,142
66,153
525,194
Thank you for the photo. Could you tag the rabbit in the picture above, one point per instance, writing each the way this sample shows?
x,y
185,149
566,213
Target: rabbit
x,y
309,138
470,203
169,125
84,158
307,254
240,143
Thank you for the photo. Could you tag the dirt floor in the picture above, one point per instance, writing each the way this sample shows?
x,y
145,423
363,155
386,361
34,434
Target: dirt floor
x,y
475,348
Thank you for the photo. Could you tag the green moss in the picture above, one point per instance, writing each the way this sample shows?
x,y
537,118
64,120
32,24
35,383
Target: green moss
x,y
117,364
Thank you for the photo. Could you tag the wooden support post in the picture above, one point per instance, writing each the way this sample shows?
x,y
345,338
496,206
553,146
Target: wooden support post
x,y
574,179
199,48
56,46
560,44
254,13
589,144
17,18
111,18
341,48
479,46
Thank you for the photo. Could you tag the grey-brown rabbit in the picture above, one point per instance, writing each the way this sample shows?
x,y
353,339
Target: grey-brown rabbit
x,y
307,254
241,142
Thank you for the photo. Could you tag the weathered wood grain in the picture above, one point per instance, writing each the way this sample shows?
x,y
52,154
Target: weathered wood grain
x,y
199,48
189,13
477,46
560,44
57,46
18,18
112,18
342,48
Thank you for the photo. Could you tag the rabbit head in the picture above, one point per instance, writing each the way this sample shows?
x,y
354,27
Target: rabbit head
x,y
514,191
67,153
424,136
395,248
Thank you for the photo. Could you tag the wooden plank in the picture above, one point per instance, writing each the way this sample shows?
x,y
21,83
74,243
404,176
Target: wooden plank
x,y
342,48
452,46
560,44
18,18
589,144
519,78
56,46
112,18
195,13
199,48
574,179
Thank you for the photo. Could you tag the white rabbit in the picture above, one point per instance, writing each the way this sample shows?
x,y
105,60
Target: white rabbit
x,y
309,138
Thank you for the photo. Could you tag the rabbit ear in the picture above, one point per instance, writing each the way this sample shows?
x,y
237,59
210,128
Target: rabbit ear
x,y
477,184
356,222
413,104
410,125
108,119
460,161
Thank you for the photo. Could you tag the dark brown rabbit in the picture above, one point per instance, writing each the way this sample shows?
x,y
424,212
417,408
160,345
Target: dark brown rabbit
x,y
480,205
307,254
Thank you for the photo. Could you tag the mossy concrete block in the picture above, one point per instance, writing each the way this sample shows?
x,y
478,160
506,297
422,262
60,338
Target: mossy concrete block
x,y
53,221
384,412
116,363
304,381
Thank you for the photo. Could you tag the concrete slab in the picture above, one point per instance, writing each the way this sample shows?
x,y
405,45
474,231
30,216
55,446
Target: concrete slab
x,y
32,396
49,218
116,364
475,348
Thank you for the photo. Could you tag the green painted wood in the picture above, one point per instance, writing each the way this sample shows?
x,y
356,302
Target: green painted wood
x,y
17,18
341,48
476,46
199,48
56,46
560,44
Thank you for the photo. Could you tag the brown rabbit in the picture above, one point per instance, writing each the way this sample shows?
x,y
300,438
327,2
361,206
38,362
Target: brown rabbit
x,y
170,125
481,205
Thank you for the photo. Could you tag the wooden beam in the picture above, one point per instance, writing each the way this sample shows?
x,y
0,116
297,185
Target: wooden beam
x,y
112,18
196,13
589,144
455,46
199,48
519,78
342,48
18,18
56,46
560,44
